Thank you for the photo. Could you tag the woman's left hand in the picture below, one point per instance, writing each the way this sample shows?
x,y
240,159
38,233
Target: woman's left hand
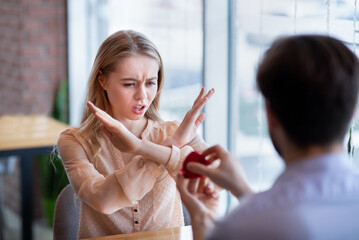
x,y
119,135
189,125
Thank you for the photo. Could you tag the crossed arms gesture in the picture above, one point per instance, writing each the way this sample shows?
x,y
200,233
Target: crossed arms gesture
x,y
125,141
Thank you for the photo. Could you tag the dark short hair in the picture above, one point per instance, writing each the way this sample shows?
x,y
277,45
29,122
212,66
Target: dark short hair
x,y
311,83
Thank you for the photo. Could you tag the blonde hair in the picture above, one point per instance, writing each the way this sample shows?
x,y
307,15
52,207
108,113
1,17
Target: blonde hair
x,y
116,47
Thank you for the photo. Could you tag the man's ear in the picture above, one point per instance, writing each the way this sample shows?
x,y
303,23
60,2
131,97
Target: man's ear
x,y
271,117
101,79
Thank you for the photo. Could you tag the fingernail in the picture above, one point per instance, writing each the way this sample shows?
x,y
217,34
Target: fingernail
x,y
189,166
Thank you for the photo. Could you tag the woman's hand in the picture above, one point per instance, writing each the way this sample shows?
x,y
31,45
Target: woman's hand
x,y
189,125
119,135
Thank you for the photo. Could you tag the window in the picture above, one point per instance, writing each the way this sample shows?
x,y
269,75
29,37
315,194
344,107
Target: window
x,y
235,34
258,23
175,27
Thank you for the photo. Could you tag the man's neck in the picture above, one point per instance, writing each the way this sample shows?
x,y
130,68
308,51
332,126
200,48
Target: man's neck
x,y
296,155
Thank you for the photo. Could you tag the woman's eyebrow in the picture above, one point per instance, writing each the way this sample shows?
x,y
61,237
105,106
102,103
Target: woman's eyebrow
x,y
135,79
129,79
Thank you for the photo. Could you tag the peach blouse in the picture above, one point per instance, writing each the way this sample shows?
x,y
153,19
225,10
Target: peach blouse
x,y
122,192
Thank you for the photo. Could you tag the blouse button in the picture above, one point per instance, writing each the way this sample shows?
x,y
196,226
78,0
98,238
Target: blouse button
x,y
136,222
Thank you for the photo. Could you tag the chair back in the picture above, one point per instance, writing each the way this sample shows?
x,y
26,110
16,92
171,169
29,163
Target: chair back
x,y
67,215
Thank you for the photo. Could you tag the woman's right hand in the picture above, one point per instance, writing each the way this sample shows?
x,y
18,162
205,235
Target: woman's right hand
x,y
119,135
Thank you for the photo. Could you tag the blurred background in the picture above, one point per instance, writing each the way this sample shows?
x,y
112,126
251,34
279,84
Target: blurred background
x,y
47,48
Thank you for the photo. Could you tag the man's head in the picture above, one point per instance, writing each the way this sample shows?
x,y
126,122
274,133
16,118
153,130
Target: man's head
x,y
311,84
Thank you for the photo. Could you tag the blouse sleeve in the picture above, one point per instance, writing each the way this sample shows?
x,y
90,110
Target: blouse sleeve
x,y
106,194
178,155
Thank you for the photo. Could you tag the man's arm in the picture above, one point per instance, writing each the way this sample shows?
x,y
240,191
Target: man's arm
x,y
201,202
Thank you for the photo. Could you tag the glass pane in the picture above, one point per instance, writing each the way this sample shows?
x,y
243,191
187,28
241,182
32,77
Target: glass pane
x,y
176,29
258,23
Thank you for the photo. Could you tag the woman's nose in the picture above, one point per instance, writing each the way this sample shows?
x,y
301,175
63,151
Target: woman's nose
x,y
140,93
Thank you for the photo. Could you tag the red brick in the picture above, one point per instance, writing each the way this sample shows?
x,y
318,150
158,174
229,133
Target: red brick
x,y
39,63
9,10
31,51
33,25
41,38
33,2
42,12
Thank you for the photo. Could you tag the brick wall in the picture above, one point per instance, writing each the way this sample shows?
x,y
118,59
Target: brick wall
x,y
33,54
33,60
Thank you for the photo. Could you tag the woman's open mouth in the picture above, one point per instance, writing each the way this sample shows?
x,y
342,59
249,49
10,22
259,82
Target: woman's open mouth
x,y
138,109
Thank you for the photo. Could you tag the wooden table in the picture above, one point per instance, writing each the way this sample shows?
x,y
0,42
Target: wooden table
x,y
182,233
25,137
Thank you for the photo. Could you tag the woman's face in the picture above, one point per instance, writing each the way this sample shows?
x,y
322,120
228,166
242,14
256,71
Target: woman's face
x,y
132,87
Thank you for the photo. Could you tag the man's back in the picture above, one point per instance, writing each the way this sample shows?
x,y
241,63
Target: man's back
x,y
310,86
316,198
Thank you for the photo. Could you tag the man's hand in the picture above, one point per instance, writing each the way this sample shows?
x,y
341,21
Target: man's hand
x,y
201,202
190,123
227,175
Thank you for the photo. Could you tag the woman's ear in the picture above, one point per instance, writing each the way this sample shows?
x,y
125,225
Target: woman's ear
x,y
101,79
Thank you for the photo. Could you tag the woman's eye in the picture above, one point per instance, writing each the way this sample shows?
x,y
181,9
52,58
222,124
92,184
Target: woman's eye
x,y
128,84
151,83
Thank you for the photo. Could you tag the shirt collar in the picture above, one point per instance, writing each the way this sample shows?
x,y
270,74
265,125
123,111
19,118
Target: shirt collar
x,y
325,162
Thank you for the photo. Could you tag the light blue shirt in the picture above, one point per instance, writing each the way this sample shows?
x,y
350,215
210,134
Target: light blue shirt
x,y
316,198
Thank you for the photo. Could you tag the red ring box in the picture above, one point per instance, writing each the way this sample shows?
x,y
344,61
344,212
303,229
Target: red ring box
x,y
193,157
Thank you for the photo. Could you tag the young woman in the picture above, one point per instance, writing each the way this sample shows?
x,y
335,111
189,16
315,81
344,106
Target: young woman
x,y
125,181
